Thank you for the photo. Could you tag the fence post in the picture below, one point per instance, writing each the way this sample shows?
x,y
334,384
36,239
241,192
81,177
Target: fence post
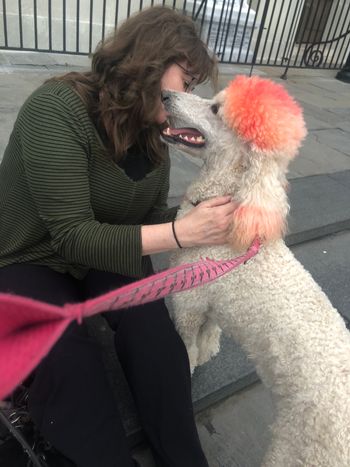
x,y
344,73
257,45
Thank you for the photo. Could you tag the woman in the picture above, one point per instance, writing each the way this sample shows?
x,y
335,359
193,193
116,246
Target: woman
x,y
83,189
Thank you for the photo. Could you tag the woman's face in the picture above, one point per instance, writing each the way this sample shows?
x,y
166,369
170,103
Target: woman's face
x,y
177,77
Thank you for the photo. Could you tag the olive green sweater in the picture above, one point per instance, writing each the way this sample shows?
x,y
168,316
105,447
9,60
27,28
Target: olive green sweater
x,y
63,203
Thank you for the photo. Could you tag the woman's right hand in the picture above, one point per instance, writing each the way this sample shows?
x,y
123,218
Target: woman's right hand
x,y
209,223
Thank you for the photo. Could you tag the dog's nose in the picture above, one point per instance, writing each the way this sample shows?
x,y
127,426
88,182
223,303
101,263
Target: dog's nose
x,y
165,96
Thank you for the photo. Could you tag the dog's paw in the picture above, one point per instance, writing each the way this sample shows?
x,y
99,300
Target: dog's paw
x,y
208,342
192,352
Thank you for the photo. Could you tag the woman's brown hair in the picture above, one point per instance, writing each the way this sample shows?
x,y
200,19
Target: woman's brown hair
x,y
122,90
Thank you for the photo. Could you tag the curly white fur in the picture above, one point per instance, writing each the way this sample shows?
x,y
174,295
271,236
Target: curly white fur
x,y
271,306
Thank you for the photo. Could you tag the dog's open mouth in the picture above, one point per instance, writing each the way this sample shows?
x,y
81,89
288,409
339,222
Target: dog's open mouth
x,y
187,136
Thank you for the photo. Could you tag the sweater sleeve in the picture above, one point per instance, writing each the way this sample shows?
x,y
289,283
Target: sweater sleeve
x,y
55,153
161,213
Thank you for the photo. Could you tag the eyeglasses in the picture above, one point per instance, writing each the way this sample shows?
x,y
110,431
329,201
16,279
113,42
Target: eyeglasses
x,y
189,86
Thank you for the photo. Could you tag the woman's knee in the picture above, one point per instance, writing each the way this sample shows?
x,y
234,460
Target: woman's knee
x,y
39,283
151,319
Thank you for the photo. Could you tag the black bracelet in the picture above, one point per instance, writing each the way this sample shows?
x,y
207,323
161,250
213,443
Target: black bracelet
x,y
176,239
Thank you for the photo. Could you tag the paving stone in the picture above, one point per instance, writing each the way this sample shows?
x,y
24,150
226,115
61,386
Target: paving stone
x,y
235,433
42,59
319,206
312,96
317,158
334,138
321,113
314,123
328,260
330,85
341,177
342,111
345,126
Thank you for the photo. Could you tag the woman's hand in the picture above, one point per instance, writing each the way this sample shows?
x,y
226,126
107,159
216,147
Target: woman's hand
x,y
209,223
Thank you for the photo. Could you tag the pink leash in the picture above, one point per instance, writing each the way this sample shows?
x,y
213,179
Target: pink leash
x,y
29,328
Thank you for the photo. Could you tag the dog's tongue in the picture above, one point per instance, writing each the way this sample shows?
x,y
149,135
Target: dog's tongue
x,y
187,136
183,131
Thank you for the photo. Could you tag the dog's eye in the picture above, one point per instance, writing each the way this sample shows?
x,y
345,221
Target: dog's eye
x,y
214,108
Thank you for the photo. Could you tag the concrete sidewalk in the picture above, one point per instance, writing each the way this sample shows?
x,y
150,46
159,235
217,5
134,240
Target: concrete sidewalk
x,y
325,100
233,417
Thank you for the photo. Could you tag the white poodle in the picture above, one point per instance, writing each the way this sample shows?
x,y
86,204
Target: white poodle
x,y
299,343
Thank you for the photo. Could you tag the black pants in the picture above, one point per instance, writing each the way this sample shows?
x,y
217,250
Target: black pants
x,y
70,399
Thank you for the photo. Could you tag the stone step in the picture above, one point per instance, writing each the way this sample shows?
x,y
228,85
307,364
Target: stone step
x,y
320,205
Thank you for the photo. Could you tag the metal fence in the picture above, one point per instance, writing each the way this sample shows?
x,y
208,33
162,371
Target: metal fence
x,y
293,33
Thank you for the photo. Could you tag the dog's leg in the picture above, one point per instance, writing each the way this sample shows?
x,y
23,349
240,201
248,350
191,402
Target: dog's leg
x,y
208,341
286,427
309,434
189,315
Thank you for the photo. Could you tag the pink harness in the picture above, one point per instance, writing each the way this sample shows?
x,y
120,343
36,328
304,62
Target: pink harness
x,y
29,328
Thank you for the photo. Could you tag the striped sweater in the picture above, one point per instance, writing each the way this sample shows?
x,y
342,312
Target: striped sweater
x,y
63,203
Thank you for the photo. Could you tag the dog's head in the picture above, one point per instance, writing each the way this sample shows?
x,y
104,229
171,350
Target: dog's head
x,y
252,129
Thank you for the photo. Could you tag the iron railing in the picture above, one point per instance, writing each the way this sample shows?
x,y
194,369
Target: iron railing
x,y
291,33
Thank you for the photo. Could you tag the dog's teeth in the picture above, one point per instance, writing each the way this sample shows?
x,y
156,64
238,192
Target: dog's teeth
x,y
192,139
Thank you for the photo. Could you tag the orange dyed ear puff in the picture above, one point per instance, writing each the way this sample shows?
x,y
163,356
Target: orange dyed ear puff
x,y
250,222
264,115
